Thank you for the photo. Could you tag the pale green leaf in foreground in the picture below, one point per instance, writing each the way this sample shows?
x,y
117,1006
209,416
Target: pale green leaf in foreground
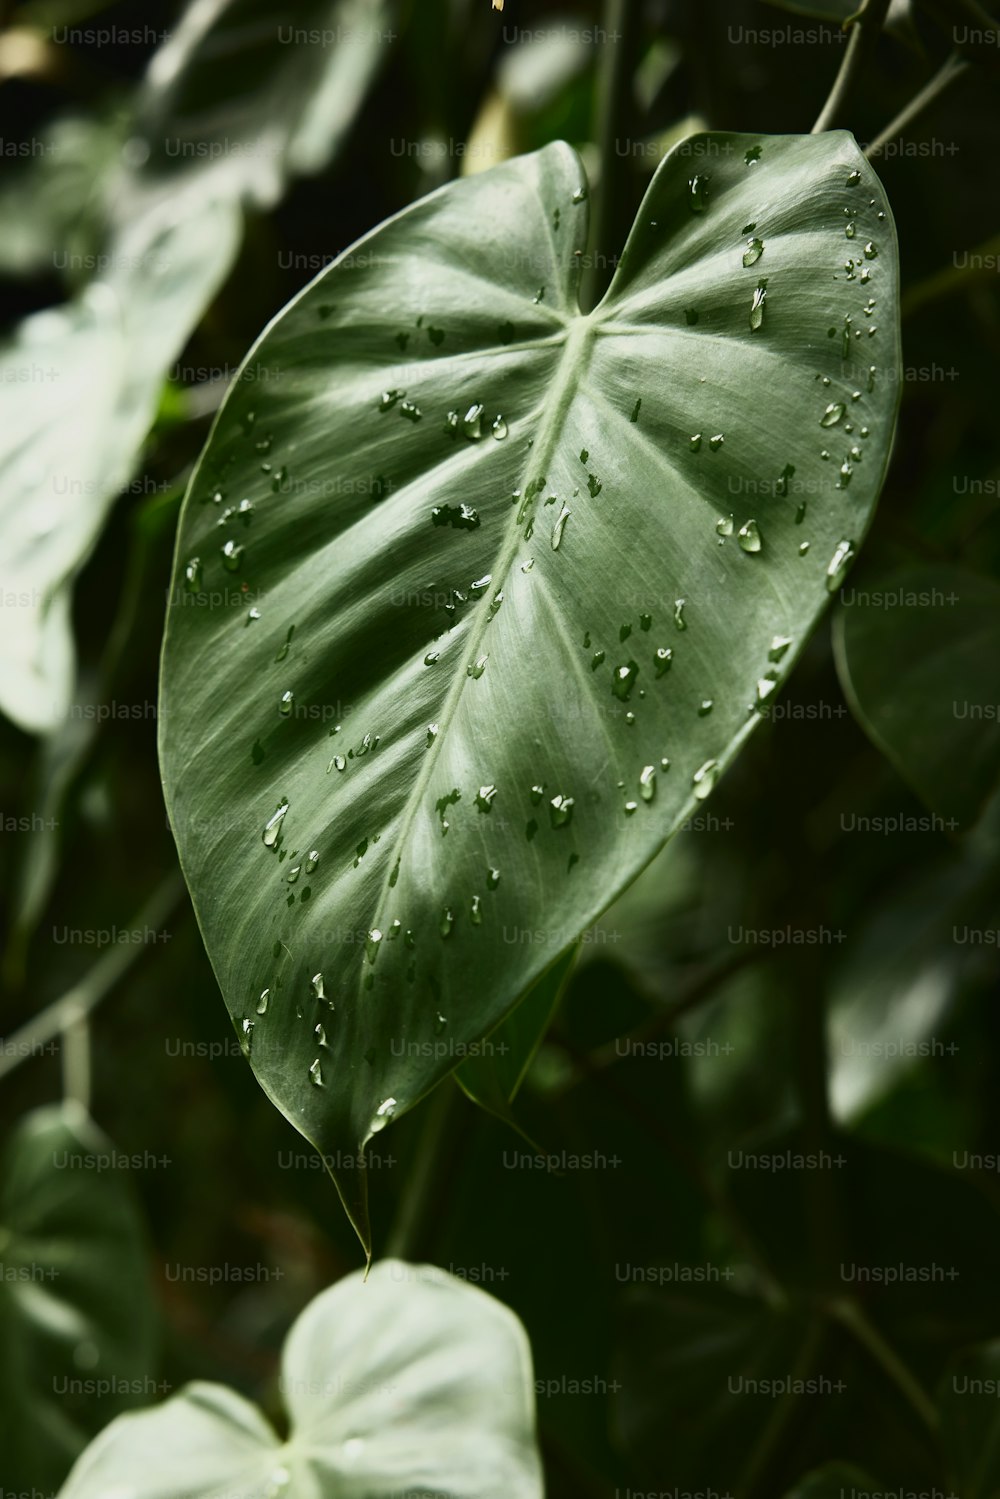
x,y
411,1382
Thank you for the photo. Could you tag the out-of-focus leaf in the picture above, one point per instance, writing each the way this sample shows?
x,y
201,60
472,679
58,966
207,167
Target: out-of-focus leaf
x,y
917,655
76,1306
699,1371
247,93
81,385
834,1481
969,1403
411,1383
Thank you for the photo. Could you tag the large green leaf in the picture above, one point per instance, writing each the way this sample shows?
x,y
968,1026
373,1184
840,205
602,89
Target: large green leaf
x,y
414,1383
76,1306
916,652
436,609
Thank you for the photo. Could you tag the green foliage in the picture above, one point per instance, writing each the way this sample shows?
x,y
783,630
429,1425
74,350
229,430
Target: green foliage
x,y
449,519
408,1382
76,1309
715,1108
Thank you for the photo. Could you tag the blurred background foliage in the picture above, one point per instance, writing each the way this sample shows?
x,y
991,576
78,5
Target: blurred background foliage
x,y
727,1044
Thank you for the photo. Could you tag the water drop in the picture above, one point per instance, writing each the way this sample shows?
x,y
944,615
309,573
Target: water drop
x,y
247,1038
316,1074
849,230
749,537
696,442
559,527
472,422
273,825
698,192
871,251
833,414
338,762
647,783
475,914
704,779
492,879
705,707
192,573
319,1031
715,443
265,995
385,1111
499,428
317,986
232,555
293,874
372,942
484,798
679,620
753,252
631,808
757,307
838,565
432,658
447,921
286,703
389,399
477,667
623,680
560,810
594,486
765,687
724,525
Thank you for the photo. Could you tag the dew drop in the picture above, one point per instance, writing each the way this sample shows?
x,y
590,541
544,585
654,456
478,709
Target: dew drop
x,y
273,825
316,1074
757,307
232,556
447,921
753,252
499,428
286,703
192,573
647,783
475,914
560,811
724,525
704,779
559,527
662,660
472,422
372,944
262,1002
492,879
623,680
833,414
679,619
696,442
749,537
838,565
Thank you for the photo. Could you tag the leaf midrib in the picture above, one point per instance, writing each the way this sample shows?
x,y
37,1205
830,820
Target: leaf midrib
x,y
579,335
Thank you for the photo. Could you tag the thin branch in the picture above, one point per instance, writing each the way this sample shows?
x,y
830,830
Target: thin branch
x,y
951,69
850,1315
77,1003
861,44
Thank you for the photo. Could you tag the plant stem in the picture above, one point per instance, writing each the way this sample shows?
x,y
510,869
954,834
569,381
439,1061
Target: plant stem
x,y
861,43
420,1203
77,1003
613,118
952,68
853,1318
76,1061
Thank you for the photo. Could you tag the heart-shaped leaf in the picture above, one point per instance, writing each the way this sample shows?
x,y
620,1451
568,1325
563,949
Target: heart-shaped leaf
x,y
76,1306
411,1383
495,645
